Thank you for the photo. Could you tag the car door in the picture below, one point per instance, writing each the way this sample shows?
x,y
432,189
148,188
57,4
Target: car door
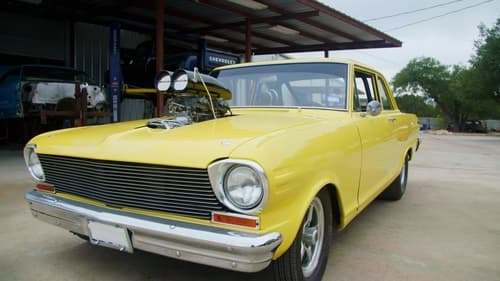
x,y
377,138
399,127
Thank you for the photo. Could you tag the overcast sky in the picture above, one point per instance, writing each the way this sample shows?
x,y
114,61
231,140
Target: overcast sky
x,y
449,38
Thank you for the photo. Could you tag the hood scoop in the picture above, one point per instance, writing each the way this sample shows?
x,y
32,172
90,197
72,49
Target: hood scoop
x,y
169,123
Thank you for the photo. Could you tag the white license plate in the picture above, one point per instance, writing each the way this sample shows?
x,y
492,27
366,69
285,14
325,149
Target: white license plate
x,y
109,236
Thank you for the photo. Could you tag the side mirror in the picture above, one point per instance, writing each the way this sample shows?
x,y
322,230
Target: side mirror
x,y
373,108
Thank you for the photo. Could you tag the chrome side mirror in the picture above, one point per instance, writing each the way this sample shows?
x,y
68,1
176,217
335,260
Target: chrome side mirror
x,y
373,108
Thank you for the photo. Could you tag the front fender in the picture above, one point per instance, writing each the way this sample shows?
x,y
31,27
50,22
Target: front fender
x,y
299,162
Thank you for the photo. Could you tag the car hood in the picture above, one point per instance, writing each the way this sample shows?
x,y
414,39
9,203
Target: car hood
x,y
195,145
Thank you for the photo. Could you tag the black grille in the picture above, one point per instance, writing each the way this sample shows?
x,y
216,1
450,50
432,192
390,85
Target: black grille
x,y
183,191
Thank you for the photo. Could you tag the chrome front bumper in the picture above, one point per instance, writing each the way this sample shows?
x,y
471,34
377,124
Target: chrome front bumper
x,y
229,249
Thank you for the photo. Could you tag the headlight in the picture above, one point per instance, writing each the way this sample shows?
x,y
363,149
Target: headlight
x,y
243,187
240,185
33,163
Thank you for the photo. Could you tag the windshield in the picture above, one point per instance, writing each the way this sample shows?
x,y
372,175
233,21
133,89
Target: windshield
x,y
320,85
53,74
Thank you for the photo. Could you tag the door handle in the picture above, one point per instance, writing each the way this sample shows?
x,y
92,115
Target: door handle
x,y
391,119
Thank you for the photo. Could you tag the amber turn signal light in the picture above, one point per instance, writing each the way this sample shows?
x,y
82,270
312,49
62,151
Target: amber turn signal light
x,y
236,219
45,187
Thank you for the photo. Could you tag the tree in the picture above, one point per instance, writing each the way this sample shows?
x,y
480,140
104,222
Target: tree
x,y
468,102
417,105
486,61
457,91
431,78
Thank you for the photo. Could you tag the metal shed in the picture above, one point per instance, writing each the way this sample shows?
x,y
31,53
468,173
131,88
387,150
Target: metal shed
x,y
236,26
77,33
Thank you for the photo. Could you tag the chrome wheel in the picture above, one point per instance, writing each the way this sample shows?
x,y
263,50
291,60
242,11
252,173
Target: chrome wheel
x,y
313,235
307,257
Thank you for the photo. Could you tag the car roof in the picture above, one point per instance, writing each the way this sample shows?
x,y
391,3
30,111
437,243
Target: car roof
x,y
301,60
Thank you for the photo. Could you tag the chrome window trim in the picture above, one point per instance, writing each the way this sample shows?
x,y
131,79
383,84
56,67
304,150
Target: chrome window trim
x,y
349,67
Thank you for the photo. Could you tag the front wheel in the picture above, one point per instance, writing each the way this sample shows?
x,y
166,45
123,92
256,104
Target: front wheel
x,y
306,258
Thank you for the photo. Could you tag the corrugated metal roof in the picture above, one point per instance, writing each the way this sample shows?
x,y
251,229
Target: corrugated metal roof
x,y
280,26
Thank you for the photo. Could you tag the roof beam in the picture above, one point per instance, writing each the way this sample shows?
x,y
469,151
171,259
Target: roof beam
x,y
181,14
270,20
192,17
224,7
335,46
270,38
321,7
227,8
311,22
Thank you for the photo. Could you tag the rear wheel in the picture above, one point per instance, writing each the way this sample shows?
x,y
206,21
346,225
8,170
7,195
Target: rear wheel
x,y
397,188
306,258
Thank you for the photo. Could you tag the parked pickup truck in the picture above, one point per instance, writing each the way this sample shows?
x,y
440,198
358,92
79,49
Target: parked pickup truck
x,y
28,88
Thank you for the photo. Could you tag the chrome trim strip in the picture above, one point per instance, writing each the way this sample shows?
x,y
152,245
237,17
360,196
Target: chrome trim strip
x,y
229,249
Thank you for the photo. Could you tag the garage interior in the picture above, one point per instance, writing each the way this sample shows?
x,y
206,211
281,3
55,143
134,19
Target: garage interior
x,y
121,45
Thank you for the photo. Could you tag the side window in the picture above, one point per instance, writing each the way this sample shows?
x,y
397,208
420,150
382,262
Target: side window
x,y
384,95
363,90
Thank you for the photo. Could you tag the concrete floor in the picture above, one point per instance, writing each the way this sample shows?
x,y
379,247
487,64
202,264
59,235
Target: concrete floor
x,y
447,227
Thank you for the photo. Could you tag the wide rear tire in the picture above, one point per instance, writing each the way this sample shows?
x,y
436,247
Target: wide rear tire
x,y
307,257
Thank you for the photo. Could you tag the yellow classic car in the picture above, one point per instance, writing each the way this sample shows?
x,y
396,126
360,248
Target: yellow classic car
x,y
253,166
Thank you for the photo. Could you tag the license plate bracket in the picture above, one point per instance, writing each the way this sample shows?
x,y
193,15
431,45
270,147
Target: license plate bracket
x,y
110,236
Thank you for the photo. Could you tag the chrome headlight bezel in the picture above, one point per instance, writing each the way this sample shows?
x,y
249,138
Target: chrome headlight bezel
x,y
33,163
218,173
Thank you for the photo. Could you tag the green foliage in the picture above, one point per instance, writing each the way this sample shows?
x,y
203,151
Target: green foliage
x,y
429,77
460,93
416,105
470,101
486,61
426,75
455,90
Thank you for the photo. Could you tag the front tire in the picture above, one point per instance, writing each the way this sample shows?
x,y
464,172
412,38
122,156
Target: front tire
x,y
306,258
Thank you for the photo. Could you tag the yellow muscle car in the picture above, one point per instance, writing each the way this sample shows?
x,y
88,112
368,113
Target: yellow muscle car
x,y
254,165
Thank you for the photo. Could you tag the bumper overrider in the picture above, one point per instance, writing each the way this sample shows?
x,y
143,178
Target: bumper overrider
x,y
229,249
